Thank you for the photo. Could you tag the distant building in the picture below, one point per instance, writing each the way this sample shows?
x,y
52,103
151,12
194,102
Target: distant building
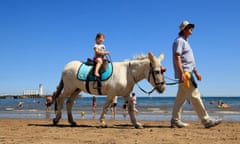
x,y
34,92
40,90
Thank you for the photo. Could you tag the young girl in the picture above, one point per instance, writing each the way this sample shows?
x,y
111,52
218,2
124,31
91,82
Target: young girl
x,y
100,52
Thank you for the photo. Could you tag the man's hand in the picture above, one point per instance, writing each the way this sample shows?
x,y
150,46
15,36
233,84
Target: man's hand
x,y
198,75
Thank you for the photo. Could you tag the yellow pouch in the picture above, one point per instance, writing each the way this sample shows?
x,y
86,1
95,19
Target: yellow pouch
x,y
188,77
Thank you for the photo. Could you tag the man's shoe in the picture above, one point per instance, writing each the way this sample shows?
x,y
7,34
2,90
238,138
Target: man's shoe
x,y
178,124
212,122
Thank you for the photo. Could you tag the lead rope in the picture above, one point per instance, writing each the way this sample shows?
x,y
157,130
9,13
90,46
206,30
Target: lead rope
x,y
175,81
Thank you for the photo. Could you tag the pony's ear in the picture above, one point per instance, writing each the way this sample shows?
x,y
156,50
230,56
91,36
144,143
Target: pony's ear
x,y
161,57
150,56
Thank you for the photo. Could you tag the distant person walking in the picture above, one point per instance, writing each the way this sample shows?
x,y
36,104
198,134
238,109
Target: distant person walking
x,y
184,67
94,106
125,109
113,107
48,103
134,102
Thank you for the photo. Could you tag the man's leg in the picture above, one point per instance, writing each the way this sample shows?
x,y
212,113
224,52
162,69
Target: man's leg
x,y
177,109
196,101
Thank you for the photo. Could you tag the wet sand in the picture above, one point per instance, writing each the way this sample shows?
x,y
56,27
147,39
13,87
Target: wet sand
x,y
118,132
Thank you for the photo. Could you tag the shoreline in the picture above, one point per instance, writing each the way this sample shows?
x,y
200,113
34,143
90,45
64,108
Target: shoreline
x,y
150,109
161,116
88,131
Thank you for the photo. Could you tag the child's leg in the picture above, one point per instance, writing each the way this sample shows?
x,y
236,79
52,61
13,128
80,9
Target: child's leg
x,y
98,65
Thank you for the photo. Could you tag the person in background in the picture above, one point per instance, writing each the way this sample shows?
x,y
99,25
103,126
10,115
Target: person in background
x,y
20,105
113,107
125,109
221,104
134,102
94,106
184,68
100,52
212,102
48,102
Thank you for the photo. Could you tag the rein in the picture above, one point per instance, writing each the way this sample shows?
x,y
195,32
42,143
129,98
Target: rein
x,y
144,91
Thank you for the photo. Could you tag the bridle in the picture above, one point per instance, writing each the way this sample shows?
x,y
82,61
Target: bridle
x,y
151,72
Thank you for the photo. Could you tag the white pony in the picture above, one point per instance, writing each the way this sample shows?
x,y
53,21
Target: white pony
x,y
121,83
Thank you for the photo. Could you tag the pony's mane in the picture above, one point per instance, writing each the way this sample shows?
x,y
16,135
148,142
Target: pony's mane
x,y
140,57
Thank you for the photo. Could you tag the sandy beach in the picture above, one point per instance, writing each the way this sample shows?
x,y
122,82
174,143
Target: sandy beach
x,y
119,132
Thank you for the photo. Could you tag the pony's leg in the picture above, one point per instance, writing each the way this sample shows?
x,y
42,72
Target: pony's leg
x,y
69,106
105,110
132,114
59,102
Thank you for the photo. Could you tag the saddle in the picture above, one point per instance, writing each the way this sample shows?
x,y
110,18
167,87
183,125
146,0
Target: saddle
x,y
86,73
103,67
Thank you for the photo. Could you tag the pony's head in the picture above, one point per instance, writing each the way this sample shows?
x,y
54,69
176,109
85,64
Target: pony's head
x,y
156,72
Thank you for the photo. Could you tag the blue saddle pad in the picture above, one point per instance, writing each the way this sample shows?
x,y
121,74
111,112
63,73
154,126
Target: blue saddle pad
x,y
84,70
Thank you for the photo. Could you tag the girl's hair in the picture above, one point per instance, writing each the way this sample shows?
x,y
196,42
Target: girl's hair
x,y
99,35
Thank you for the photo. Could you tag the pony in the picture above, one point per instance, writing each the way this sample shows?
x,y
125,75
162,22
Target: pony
x,y
121,83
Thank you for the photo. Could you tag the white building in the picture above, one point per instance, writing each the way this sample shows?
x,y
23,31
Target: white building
x,y
34,92
40,92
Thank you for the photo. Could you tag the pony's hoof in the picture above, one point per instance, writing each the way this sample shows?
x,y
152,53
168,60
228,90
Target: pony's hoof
x,y
103,126
138,126
73,123
55,122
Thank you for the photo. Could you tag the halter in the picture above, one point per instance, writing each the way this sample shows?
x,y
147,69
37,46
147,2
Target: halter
x,y
154,78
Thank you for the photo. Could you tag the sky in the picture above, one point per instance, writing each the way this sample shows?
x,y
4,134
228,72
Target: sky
x,y
39,37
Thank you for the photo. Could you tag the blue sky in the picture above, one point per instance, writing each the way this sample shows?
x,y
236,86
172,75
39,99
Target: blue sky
x,y
38,37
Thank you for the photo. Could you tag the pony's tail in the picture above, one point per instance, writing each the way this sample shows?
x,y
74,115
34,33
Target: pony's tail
x,y
57,93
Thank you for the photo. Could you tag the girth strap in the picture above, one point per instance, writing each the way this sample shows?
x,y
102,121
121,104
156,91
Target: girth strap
x,y
87,85
99,85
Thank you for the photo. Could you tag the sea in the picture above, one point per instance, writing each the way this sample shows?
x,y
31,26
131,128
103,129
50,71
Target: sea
x,y
150,108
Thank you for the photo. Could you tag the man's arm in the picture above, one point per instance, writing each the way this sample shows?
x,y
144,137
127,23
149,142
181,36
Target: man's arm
x,y
178,63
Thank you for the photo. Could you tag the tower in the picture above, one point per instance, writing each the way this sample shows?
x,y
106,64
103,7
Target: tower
x,y
40,91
